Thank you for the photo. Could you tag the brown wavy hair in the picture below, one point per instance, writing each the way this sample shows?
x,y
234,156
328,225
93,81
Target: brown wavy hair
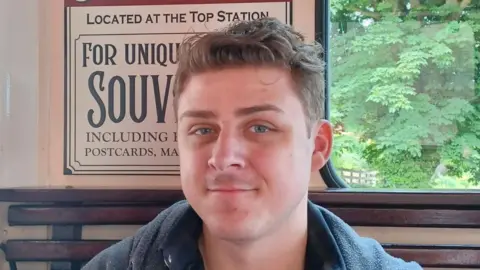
x,y
263,42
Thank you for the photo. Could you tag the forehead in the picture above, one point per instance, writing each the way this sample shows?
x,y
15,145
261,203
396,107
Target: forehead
x,y
228,89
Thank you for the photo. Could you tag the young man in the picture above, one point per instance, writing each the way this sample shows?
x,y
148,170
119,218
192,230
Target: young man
x,y
249,103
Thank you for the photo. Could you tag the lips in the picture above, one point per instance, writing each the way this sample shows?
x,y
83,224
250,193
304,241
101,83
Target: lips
x,y
230,182
230,189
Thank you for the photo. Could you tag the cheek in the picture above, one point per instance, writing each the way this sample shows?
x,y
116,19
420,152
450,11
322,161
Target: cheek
x,y
285,167
273,163
193,163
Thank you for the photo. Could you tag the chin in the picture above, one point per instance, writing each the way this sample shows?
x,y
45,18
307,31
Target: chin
x,y
233,232
234,226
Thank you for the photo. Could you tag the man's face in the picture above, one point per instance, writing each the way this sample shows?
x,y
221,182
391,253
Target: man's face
x,y
245,152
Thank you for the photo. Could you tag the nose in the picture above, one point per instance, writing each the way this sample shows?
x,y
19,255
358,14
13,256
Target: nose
x,y
228,152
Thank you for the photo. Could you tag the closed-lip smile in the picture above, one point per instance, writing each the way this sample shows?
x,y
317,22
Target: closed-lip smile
x,y
230,189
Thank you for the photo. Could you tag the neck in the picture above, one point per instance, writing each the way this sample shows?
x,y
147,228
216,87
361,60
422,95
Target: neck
x,y
282,248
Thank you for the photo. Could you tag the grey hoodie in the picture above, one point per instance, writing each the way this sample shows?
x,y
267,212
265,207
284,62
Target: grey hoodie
x,y
169,242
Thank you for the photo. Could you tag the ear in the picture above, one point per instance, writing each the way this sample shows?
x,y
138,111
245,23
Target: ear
x,y
323,140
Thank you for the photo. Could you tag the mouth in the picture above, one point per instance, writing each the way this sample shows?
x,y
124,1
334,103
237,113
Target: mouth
x,y
230,190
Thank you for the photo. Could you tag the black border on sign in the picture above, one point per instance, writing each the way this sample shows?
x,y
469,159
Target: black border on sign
x,y
117,3
66,170
67,140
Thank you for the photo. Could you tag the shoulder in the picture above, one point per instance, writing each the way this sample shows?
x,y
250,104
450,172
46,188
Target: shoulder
x,y
360,252
134,250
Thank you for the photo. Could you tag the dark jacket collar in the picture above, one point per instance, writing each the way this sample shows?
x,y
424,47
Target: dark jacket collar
x,y
321,241
180,247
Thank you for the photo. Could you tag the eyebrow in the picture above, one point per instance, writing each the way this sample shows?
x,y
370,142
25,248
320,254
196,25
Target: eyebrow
x,y
258,108
198,114
205,114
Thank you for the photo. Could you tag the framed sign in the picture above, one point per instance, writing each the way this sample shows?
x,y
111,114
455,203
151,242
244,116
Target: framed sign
x,y
120,60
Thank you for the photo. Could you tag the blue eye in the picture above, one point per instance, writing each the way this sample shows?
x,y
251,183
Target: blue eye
x,y
260,129
203,131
